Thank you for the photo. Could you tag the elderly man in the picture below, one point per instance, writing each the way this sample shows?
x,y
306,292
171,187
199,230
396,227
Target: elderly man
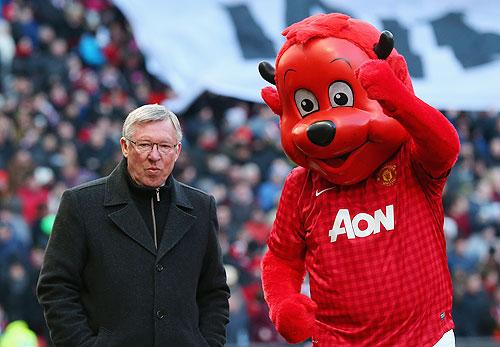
x,y
133,259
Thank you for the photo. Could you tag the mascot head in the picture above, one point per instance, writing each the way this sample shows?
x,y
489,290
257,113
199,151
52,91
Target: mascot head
x,y
328,123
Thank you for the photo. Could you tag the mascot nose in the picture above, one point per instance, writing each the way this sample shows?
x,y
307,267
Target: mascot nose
x,y
321,133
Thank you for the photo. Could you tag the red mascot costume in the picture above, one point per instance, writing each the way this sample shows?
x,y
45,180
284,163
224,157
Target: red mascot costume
x,y
362,214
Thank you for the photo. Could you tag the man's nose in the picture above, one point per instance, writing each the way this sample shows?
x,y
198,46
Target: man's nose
x,y
321,133
154,154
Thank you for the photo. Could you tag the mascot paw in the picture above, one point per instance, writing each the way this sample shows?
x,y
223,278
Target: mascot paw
x,y
377,78
295,318
381,84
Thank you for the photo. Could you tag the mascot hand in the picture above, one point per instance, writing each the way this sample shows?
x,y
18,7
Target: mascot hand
x,y
295,318
381,84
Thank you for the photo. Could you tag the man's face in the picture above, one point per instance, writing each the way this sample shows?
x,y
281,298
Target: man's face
x,y
151,168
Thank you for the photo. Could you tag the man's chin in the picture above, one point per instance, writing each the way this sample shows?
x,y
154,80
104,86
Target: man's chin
x,y
152,182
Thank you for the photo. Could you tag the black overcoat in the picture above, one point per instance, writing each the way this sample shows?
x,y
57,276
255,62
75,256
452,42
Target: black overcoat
x,y
103,283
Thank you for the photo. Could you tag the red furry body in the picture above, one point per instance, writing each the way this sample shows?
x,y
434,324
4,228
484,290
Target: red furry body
x,y
374,161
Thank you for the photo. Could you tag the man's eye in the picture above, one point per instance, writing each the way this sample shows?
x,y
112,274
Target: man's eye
x,y
144,145
165,146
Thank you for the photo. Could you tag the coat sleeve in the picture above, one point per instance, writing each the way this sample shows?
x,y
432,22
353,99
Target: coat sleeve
x,y
213,292
60,281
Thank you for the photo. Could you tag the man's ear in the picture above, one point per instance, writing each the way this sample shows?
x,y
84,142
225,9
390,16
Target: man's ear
x,y
178,150
271,98
124,146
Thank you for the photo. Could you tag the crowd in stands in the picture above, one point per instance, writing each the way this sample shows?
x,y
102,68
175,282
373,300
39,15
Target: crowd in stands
x,y
70,71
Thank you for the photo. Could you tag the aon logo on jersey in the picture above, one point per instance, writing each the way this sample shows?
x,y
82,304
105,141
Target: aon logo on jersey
x,y
345,225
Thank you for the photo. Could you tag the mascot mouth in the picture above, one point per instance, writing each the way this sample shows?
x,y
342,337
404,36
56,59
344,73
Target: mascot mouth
x,y
339,162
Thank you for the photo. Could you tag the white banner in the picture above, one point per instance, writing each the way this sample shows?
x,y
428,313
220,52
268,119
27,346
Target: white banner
x,y
452,46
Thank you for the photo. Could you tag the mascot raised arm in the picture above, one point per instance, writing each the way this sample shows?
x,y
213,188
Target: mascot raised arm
x,y
362,213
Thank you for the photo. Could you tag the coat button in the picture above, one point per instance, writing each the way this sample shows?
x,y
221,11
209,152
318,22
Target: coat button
x,y
160,314
159,267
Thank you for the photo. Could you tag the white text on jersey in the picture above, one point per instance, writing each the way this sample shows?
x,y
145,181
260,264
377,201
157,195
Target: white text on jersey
x,y
351,227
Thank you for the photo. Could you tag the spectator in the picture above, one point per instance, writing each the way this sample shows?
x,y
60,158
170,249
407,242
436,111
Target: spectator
x,y
496,312
7,51
238,327
16,292
471,312
10,249
459,260
17,334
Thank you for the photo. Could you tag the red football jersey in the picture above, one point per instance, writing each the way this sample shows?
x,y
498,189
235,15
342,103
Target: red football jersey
x,y
375,252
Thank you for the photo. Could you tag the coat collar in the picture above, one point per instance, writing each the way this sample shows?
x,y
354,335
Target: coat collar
x,y
130,221
118,192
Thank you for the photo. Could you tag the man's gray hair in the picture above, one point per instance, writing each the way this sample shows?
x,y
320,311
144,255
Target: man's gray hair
x,y
150,113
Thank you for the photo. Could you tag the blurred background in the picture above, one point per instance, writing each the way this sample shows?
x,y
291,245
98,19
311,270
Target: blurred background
x,y
71,70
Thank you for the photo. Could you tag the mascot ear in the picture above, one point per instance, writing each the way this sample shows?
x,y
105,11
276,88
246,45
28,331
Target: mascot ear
x,y
270,94
267,72
272,99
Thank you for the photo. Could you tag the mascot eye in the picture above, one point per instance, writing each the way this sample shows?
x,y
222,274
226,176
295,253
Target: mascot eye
x,y
306,102
340,94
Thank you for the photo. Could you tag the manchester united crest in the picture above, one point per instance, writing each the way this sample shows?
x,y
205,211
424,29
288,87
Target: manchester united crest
x,y
387,175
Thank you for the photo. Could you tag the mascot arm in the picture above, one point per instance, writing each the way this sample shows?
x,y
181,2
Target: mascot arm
x,y
292,313
435,142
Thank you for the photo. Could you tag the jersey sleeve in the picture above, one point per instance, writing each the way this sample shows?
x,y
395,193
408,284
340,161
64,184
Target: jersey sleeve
x,y
432,186
287,238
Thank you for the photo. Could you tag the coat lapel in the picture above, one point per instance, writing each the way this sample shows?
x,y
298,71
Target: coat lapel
x,y
179,220
127,218
130,221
